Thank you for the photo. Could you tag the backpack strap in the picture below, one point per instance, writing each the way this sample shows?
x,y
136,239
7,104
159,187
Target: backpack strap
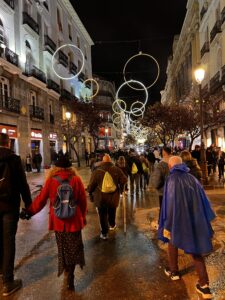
x,y
60,180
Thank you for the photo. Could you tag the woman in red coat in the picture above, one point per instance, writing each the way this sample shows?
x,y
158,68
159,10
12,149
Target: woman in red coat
x,y
67,231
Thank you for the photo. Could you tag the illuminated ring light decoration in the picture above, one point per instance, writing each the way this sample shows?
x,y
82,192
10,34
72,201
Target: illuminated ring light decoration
x,y
137,112
116,118
127,83
97,90
116,107
132,57
82,66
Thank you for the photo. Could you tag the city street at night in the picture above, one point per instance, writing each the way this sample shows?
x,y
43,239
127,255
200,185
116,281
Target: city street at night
x,y
127,266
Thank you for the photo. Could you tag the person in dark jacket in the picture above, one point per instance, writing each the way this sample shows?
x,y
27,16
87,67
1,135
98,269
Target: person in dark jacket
x,y
37,160
106,203
9,212
192,164
135,171
185,222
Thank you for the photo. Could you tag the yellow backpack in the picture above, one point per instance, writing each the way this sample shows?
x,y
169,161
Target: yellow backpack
x,y
144,167
134,169
108,185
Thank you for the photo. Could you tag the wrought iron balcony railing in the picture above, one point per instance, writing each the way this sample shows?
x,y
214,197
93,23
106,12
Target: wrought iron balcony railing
x,y
12,57
10,104
73,68
53,86
205,48
81,77
10,3
37,73
49,44
65,95
27,19
37,112
215,82
63,59
216,29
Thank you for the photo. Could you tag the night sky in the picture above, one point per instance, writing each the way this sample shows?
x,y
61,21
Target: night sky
x,y
120,29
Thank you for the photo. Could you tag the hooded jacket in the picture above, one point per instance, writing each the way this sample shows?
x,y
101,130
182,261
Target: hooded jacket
x,y
195,169
186,213
18,182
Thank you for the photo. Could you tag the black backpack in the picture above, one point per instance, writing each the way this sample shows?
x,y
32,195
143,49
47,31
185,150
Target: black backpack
x,y
64,205
5,186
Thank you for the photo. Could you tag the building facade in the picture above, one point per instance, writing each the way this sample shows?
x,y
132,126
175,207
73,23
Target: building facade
x,y
201,42
108,136
34,96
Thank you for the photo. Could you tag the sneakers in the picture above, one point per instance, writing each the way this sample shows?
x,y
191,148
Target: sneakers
x,y
173,275
11,287
204,291
103,236
112,227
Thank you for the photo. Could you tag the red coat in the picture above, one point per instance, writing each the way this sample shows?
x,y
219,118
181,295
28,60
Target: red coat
x,y
49,191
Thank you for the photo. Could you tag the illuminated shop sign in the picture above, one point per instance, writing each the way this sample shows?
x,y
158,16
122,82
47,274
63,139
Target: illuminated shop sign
x,y
52,136
36,134
11,131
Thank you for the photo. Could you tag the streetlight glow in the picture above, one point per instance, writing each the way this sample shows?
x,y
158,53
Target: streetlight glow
x,y
199,75
68,115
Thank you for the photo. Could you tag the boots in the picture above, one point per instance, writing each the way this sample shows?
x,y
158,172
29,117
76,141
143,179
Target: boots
x,y
70,278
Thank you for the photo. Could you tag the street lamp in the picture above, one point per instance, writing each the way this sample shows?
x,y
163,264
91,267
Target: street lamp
x,y
106,137
199,76
68,117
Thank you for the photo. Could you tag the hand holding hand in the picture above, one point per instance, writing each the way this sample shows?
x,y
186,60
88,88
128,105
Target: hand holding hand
x,y
24,215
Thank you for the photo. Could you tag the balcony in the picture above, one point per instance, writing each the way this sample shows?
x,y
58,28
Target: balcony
x,y
11,57
10,3
36,112
215,82
216,29
10,104
223,15
203,11
37,73
30,22
81,77
205,48
51,119
73,68
63,59
65,95
49,44
52,85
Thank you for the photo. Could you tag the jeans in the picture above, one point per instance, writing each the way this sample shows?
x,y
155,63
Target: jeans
x,y
134,178
8,228
198,262
107,216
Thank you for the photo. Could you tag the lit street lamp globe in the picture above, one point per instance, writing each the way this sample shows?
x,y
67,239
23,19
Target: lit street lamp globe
x,y
199,75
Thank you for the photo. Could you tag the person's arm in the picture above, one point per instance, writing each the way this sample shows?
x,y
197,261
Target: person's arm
x,y
93,183
122,180
24,188
80,195
40,201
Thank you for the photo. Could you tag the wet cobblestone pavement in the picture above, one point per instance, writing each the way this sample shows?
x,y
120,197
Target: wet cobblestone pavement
x,y
127,266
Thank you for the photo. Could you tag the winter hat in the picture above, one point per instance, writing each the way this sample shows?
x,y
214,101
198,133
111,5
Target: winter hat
x,y
106,158
63,162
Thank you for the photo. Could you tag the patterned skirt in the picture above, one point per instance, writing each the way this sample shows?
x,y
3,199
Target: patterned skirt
x,y
70,250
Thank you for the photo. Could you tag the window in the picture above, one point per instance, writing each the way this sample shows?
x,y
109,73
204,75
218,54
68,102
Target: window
x,y
33,98
45,3
69,32
2,40
27,7
78,42
85,52
4,91
61,84
45,29
59,20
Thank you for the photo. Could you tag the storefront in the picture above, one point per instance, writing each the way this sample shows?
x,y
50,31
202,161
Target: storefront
x,y
36,142
53,143
11,130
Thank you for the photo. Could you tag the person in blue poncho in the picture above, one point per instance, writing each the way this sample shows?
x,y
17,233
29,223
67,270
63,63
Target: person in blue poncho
x,y
185,222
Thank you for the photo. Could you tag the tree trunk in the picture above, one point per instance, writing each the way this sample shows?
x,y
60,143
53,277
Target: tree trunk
x,y
77,155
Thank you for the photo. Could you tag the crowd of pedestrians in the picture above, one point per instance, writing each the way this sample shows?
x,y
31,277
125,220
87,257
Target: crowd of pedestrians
x,y
184,219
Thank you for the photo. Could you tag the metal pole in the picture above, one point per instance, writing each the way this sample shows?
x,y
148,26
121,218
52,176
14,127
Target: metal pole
x,y
203,151
68,142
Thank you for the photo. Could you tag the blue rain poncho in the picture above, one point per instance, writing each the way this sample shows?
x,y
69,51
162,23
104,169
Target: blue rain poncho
x,y
186,213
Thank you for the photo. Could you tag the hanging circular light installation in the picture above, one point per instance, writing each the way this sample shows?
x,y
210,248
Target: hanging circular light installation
x,y
131,58
97,88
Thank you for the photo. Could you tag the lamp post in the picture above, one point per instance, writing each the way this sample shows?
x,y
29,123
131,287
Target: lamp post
x,y
106,137
199,76
68,117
